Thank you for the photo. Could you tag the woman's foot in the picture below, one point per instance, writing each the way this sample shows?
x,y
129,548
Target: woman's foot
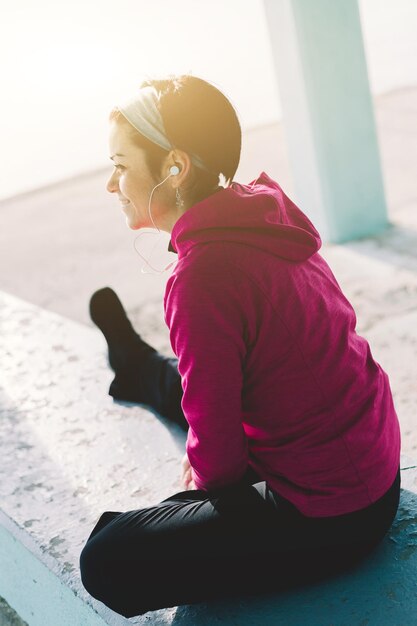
x,y
126,347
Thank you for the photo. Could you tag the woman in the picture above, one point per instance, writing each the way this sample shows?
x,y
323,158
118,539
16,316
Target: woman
x,y
291,470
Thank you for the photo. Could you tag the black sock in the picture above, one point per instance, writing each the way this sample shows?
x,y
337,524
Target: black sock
x,y
126,347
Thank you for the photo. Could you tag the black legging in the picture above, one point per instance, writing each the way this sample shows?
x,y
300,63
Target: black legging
x,y
196,546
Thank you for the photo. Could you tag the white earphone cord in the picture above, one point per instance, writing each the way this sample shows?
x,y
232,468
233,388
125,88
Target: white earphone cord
x,y
173,171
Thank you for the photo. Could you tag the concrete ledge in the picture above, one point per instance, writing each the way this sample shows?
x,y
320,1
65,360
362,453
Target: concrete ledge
x,y
68,453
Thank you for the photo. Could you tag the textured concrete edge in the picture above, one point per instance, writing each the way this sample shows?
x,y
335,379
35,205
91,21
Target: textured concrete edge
x,y
9,617
30,582
23,538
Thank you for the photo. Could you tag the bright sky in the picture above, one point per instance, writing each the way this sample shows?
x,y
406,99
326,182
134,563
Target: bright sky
x,y
64,65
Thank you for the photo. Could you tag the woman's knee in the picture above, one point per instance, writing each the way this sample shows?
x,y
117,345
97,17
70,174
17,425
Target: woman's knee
x,y
111,580
94,555
91,569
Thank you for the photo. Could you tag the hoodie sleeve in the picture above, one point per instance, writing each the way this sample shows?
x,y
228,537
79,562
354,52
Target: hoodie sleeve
x,y
206,321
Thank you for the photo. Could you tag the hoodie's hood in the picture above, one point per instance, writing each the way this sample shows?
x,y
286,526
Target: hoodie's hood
x,y
258,214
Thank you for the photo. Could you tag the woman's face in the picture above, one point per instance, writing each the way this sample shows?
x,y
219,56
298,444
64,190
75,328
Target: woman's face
x,y
132,182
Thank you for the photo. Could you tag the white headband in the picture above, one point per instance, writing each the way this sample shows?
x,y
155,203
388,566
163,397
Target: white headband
x,y
142,112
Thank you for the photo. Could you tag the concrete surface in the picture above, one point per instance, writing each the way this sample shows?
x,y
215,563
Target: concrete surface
x,y
8,617
69,452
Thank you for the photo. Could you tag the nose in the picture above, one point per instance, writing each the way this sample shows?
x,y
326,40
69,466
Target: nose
x,y
112,184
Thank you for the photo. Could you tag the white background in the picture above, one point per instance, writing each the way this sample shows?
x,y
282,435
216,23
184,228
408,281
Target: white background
x,y
65,64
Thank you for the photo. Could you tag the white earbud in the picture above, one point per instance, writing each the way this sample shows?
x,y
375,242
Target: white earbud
x,y
174,170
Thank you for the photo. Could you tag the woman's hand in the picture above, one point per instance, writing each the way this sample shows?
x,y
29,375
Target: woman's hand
x,y
186,477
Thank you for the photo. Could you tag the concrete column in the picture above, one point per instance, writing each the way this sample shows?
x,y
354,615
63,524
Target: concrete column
x,y
327,109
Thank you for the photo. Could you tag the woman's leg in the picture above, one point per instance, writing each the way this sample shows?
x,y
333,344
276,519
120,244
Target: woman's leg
x,y
189,548
152,379
196,546
142,374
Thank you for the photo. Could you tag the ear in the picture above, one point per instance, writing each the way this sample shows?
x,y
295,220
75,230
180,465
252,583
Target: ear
x,y
181,159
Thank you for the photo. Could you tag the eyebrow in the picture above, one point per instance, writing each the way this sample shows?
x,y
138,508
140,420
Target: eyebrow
x,y
115,155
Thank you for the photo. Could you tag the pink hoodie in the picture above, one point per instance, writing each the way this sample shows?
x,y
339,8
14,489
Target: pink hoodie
x,y
273,372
